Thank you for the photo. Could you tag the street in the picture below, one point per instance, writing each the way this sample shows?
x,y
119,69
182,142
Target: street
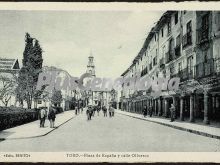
x,y
118,134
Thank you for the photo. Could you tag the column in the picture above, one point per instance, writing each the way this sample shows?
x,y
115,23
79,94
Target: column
x,y
181,109
191,108
155,107
213,104
166,107
206,106
159,107
175,105
217,102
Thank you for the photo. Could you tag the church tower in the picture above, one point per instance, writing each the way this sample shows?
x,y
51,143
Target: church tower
x,y
91,66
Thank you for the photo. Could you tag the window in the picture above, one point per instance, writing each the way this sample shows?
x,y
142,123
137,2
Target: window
x,y
176,18
218,21
205,21
187,38
184,12
169,27
155,37
155,61
178,40
189,27
162,32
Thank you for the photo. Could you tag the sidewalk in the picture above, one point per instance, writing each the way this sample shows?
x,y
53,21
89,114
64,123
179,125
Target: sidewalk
x,y
33,129
203,130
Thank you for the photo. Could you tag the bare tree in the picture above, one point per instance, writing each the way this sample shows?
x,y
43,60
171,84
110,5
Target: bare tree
x,y
7,88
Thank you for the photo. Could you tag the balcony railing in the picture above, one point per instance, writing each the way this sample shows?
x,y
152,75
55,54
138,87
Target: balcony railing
x,y
202,35
144,71
169,56
187,39
183,75
205,69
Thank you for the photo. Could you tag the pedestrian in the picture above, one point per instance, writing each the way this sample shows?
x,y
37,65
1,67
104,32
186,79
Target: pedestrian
x,y
98,109
111,111
104,109
51,116
150,110
145,111
81,108
42,116
89,112
76,110
172,112
93,110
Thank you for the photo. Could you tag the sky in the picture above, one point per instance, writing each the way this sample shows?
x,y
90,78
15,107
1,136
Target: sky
x,y
68,37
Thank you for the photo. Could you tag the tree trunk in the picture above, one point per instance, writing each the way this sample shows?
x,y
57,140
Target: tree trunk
x,y
28,103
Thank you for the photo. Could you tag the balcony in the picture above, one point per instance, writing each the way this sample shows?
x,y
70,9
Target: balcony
x,y
144,71
202,35
169,56
187,39
205,69
162,63
177,51
183,75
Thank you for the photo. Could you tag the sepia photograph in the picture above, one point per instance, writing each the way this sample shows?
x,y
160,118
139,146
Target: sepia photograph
x,y
109,83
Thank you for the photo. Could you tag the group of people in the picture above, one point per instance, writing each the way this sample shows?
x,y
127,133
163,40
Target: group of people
x,y
50,114
149,111
78,109
92,109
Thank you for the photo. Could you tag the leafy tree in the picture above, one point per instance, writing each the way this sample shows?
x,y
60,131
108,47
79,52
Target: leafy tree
x,y
56,98
28,75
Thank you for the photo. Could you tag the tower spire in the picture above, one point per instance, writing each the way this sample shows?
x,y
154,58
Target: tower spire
x,y
91,66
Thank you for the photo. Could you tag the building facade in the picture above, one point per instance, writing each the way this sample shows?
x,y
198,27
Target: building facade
x,y
182,44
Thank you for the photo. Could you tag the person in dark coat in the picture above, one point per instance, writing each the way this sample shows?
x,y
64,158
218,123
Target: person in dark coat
x,y
104,109
145,111
172,112
51,116
150,110
89,112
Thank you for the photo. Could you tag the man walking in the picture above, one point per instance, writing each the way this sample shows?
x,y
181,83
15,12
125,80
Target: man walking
x,y
104,111
145,111
172,112
42,117
150,110
89,113
51,116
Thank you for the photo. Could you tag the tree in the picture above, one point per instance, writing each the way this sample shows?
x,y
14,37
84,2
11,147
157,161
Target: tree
x,y
28,75
7,89
56,98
